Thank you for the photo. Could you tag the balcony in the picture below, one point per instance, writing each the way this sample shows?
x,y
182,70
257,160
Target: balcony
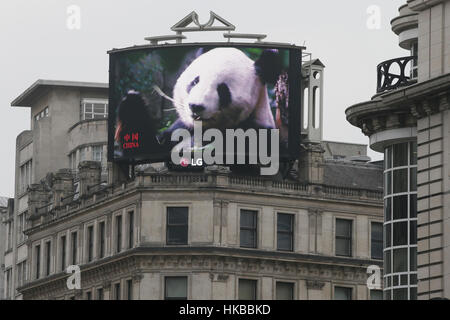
x,y
396,73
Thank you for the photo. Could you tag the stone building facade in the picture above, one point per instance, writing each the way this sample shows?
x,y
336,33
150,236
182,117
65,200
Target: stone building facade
x,y
409,120
174,234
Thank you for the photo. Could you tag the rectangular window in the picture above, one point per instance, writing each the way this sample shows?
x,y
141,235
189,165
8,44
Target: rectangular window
x,y
376,295
48,257
25,176
175,288
97,153
177,225
130,289
21,273
90,243
63,253
285,232
342,293
285,291
247,289
248,228
94,109
37,253
89,295
74,247
8,283
343,237
100,295
130,229
118,234
102,236
376,240
117,295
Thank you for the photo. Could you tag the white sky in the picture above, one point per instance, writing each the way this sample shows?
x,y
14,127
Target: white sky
x,y
36,44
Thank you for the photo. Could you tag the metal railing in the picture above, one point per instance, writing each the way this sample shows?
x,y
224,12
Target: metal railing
x,y
387,79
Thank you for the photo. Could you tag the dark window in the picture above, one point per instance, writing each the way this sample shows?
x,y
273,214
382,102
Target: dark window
x,y
343,237
376,295
130,289
89,295
400,259
247,289
342,293
102,240
74,247
285,291
377,240
400,234
400,207
48,257
248,228
63,253
400,155
90,235
117,294
285,232
177,225
118,233
38,261
100,295
130,229
175,288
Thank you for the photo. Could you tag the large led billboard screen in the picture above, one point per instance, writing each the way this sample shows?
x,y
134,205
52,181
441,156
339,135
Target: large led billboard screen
x,y
155,90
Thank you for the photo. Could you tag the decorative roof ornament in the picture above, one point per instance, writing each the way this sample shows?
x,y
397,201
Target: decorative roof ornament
x,y
185,24
191,23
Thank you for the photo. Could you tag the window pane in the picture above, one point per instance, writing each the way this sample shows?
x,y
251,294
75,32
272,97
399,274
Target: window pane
x,y
413,232
400,260
400,155
247,289
285,291
388,158
387,262
376,295
413,153
177,215
88,107
400,207
341,293
413,180
343,247
248,218
248,239
284,241
413,259
177,235
400,181
400,233
99,108
176,288
387,183
343,228
387,209
400,294
387,236
284,222
377,240
413,206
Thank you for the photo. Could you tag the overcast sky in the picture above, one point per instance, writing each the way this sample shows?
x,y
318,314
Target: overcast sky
x,y
37,44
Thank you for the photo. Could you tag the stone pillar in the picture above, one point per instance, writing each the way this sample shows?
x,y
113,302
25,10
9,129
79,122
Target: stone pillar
x,y
310,164
62,186
90,175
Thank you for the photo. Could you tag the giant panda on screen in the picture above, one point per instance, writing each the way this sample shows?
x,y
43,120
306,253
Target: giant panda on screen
x,y
225,89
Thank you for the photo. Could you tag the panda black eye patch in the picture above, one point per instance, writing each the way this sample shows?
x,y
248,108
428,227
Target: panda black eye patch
x,y
224,95
193,84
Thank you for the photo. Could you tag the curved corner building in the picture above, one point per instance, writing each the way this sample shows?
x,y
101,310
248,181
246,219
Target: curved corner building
x,y
409,121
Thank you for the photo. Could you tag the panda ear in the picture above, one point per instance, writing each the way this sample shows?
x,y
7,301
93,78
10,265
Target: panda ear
x,y
268,66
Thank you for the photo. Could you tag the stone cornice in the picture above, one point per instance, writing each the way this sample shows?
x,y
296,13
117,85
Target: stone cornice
x,y
401,107
420,5
217,261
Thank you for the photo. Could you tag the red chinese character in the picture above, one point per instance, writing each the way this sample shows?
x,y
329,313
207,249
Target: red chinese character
x,y
127,137
135,136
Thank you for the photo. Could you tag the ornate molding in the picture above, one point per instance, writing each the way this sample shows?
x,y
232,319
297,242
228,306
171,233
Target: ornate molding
x,y
314,284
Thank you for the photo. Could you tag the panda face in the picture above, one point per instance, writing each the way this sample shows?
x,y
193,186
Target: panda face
x,y
220,88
